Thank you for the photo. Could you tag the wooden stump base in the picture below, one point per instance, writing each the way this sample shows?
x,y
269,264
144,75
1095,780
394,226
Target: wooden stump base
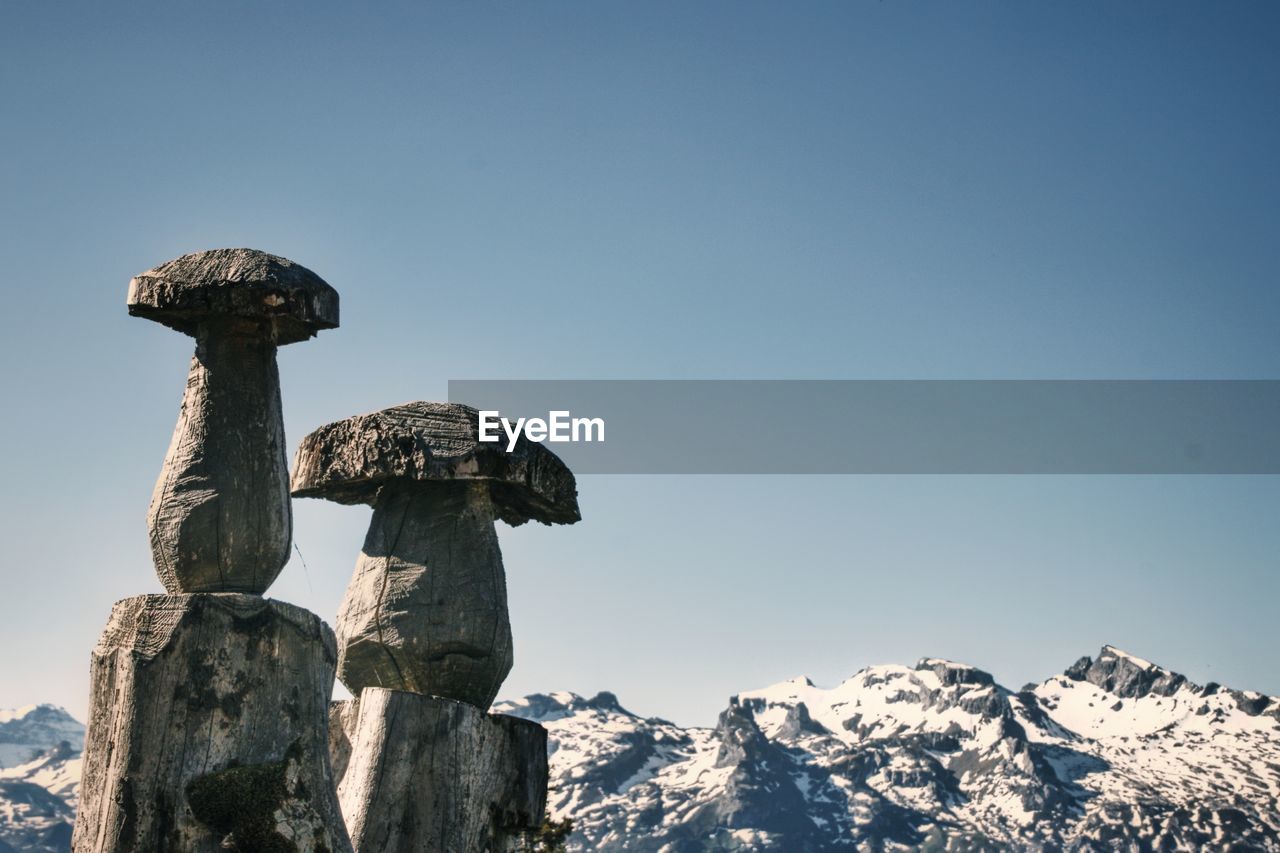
x,y
207,729
420,774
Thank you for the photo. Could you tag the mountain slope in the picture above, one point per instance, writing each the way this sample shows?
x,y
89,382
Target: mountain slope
x,y
39,778
1114,752
29,731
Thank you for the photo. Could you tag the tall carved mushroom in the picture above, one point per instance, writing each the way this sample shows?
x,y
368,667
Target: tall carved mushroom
x,y
220,519
426,611
208,707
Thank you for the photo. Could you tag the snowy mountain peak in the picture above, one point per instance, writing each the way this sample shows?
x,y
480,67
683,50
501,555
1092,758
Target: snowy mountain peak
x,y
952,673
545,707
38,800
56,769
43,711
1115,753
1126,675
1119,695
606,701
8,714
1111,651
27,732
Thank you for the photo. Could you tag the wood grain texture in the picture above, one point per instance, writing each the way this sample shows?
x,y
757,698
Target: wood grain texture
x,y
220,518
426,610
350,460
209,705
342,724
235,283
427,774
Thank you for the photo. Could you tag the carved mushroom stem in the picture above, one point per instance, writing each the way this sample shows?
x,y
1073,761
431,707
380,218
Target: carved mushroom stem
x,y
426,611
220,517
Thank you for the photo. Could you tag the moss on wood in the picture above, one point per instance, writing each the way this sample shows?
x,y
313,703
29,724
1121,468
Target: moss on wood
x,y
242,802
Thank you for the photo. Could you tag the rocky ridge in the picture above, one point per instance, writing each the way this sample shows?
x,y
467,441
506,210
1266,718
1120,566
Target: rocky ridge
x,y
39,778
1114,753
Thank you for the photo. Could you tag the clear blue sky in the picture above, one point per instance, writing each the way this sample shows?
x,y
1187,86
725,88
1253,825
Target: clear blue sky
x,y
665,190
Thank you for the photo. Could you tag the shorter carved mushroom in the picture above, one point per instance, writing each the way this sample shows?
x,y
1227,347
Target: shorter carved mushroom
x,y
426,611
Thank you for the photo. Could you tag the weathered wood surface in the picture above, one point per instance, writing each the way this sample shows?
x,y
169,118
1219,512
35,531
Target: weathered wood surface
x,y
208,729
241,283
342,724
427,774
220,518
426,610
350,460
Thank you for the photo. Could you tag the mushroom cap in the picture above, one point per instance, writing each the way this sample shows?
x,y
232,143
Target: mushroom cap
x,y
243,283
348,461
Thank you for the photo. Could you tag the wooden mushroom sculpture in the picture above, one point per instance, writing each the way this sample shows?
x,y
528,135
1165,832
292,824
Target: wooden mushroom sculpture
x,y
220,518
208,707
426,611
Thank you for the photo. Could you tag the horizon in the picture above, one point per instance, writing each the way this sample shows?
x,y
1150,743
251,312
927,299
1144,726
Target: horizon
x,y
7,714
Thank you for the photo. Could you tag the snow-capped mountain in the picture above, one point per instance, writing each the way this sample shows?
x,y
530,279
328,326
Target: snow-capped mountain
x,y
1115,753
39,790
29,731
